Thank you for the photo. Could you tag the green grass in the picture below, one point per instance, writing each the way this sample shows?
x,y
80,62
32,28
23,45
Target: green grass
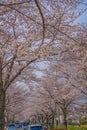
x,y
77,128
84,127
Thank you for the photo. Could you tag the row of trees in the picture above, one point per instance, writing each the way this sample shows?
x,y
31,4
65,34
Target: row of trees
x,y
36,30
56,95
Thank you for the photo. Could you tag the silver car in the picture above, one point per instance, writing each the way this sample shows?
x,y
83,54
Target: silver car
x,y
35,127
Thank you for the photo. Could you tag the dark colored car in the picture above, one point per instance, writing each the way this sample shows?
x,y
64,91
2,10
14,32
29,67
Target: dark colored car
x,y
25,125
18,125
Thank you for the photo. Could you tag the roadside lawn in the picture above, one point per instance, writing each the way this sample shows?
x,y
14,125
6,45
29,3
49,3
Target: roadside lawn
x,y
77,127
70,127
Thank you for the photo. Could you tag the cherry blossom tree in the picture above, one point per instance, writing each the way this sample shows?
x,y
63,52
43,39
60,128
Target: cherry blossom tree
x,y
32,30
57,86
16,99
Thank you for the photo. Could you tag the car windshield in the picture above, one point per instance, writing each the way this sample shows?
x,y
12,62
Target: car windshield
x,y
36,128
11,125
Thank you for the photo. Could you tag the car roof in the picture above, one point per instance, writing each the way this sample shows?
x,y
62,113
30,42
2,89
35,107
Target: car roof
x,y
11,125
35,125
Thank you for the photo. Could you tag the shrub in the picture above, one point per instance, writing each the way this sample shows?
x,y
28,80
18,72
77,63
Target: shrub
x,y
83,121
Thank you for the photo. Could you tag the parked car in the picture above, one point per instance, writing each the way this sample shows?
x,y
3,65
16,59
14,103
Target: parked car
x,y
35,127
11,126
18,125
25,125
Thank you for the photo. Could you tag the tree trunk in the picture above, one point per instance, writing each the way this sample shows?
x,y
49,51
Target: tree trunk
x,y
59,122
2,108
47,121
65,119
53,116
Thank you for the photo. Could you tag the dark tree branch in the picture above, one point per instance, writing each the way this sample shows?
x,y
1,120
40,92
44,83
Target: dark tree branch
x,y
20,12
43,21
0,72
16,3
19,73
